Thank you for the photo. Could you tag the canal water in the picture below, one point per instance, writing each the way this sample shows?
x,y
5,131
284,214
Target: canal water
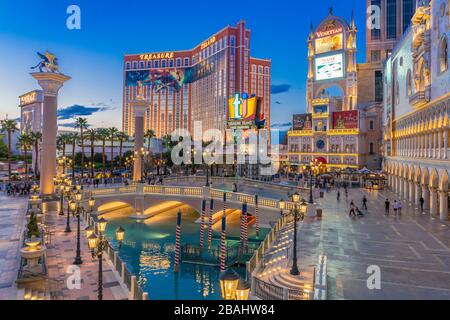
x,y
149,252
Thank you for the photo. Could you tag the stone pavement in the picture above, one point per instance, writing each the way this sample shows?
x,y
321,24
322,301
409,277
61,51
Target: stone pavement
x,y
412,250
12,221
61,254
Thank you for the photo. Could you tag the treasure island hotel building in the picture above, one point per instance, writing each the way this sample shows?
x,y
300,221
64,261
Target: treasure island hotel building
x,y
182,87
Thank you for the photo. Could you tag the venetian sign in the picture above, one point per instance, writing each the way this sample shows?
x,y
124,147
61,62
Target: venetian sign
x,y
329,43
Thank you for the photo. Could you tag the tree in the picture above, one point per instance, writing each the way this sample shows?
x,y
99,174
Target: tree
x,y
82,124
62,141
102,134
92,135
149,135
112,134
9,126
123,137
24,143
36,138
3,148
73,137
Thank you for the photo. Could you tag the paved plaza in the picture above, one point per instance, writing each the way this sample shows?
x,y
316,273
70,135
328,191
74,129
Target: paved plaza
x,y
413,251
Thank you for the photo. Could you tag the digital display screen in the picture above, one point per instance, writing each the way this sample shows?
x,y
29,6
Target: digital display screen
x,y
329,43
329,67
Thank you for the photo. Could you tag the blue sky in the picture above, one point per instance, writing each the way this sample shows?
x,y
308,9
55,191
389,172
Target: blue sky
x,y
93,55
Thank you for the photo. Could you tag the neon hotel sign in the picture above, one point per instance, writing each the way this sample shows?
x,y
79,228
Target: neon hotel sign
x,y
330,32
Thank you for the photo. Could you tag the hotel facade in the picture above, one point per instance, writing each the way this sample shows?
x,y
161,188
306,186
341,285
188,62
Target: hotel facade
x,y
182,87
417,110
337,130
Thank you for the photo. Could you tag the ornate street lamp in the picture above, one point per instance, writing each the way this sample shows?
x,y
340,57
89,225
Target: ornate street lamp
x,y
89,231
296,200
97,244
91,203
75,207
120,235
242,290
228,284
68,229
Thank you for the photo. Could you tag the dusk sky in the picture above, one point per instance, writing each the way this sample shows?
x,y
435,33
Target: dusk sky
x,y
93,56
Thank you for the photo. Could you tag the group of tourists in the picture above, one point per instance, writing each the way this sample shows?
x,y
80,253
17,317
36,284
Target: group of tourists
x,y
355,211
397,206
17,189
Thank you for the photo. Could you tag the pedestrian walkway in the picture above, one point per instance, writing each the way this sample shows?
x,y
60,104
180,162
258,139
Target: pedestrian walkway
x,y
412,250
61,254
12,221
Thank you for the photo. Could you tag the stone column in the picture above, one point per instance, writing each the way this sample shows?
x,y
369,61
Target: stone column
x,y
433,201
405,194
443,205
439,155
445,143
418,193
50,84
412,195
426,197
139,111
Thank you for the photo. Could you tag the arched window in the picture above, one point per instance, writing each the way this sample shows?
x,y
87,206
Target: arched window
x,y
371,150
409,83
443,54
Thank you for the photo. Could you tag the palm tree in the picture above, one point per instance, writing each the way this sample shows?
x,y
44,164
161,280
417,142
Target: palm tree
x,y
149,135
24,143
62,141
36,138
112,134
123,137
73,137
82,124
102,134
92,136
9,126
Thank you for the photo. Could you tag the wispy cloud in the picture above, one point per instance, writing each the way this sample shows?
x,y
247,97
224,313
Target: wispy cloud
x,y
280,88
80,111
281,125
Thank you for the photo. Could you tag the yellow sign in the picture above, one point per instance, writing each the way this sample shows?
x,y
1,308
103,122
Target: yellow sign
x,y
242,109
153,56
329,43
207,43
28,98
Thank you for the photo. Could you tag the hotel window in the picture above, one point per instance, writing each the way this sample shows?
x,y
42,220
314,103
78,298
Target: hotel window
x,y
376,33
378,86
156,64
408,12
178,62
135,65
409,83
391,19
266,70
163,63
371,148
141,65
127,66
149,64
443,55
186,62
232,41
371,125
171,63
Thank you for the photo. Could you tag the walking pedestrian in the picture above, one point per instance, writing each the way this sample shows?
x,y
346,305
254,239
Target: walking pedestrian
x,y
387,205
395,207
364,202
422,201
338,196
352,211
399,207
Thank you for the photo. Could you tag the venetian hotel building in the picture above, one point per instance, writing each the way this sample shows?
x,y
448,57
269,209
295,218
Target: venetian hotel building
x,y
181,87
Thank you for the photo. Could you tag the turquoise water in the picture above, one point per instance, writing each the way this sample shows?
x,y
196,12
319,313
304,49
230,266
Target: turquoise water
x,y
149,251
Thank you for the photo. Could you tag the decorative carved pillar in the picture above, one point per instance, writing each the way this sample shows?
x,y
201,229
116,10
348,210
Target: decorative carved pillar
x,y
426,197
439,133
445,143
443,205
405,194
412,193
418,193
50,83
139,111
433,201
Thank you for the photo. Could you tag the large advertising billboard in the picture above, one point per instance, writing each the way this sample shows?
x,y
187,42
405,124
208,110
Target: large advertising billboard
x,y
302,122
164,78
245,111
346,120
329,43
329,67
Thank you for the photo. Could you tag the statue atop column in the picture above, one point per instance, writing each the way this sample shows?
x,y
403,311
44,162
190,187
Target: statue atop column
x,y
49,62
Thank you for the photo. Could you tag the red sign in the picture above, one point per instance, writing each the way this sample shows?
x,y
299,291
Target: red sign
x,y
346,120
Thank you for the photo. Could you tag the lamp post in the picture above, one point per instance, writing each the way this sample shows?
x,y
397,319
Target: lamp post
x,y
232,287
97,244
68,229
76,207
296,200
313,167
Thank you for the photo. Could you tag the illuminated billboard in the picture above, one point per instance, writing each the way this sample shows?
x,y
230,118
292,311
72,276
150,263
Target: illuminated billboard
x,y
329,43
346,120
302,122
245,111
329,67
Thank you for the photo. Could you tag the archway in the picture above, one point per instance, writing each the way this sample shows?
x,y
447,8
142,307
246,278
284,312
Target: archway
x,y
115,209
434,187
443,195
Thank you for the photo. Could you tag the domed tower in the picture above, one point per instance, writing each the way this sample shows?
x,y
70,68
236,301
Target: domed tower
x,y
332,62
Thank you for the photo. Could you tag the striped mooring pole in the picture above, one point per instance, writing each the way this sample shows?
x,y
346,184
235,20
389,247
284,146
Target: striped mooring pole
x,y
202,224
223,236
177,242
257,215
244,225
210,221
